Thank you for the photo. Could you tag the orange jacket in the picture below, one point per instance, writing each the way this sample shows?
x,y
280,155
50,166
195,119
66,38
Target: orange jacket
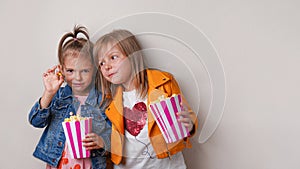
x,y
156,80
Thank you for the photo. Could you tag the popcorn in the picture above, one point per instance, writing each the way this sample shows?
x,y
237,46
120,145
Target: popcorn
x,y
162,97
165,111
74,118
75,128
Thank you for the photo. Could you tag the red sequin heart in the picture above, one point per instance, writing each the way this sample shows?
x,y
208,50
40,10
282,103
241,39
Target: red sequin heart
x,y
135,119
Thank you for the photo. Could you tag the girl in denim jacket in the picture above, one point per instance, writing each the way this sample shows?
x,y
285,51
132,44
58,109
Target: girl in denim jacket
x,y
77,96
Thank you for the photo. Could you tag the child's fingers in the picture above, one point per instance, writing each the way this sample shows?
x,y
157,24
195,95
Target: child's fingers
x,y
59,67
54,67
184,113
54,74
90,145
58,70
61,79
186,119
89,141
51,70
92,141
45,74
183,107
89,137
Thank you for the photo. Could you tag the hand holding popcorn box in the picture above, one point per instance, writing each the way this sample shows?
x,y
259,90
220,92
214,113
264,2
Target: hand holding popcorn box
x,y
75,129
165,111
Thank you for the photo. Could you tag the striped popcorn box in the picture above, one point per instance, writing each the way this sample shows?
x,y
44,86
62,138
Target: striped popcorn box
x,y
75,131
164,113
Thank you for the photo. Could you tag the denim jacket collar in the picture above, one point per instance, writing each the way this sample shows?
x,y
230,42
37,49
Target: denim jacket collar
x,y
93,99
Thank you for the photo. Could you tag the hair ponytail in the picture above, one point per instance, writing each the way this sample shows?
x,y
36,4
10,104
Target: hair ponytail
x,y
60,46
80,29
72,41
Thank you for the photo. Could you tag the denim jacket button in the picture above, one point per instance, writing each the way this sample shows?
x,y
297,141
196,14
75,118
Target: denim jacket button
x,y
60,143
53,160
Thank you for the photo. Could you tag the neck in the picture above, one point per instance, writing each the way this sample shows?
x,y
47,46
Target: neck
x,y
129,86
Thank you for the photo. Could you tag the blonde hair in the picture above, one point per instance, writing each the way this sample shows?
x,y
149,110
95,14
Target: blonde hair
x,y
129,46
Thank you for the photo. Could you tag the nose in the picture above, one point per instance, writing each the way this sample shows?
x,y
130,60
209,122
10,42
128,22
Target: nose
x,y
107,66
77,75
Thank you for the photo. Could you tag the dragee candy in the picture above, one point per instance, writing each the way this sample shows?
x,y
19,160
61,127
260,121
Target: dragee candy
x,y
59,74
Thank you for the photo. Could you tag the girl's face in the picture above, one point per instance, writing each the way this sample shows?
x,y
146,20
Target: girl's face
x,y
116,68
79,74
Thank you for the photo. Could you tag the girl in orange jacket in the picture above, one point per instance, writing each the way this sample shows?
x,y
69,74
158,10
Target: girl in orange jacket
x,y
136,140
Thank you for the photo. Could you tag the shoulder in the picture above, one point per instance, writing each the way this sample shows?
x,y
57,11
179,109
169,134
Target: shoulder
x,y
64,91
158,73
162,80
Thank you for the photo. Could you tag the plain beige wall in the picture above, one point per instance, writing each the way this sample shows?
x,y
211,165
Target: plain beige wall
x,y
258,45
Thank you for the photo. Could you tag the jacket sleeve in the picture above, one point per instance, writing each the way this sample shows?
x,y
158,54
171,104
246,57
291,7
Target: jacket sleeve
x,y
106,133
38,117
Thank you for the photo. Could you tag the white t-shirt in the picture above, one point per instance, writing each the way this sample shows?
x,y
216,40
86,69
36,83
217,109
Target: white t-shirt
x,y
138,152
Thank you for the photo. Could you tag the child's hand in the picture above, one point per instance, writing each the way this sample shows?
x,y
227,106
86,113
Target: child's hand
x,y
93,141
52,80
186,118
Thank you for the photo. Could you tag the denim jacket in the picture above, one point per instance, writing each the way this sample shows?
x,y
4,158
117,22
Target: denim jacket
x,y
52,141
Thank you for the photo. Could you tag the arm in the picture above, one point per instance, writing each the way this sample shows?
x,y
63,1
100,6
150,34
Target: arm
x,y
189,117
52,82
39,115
106,133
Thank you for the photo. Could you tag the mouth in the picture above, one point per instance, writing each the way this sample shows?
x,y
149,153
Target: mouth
x,y
111,75
77,84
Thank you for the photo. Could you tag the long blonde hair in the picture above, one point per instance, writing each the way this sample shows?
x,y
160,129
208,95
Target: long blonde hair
x,y
129,46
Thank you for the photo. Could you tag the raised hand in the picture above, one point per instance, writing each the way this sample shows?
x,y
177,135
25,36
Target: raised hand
x,y
52,81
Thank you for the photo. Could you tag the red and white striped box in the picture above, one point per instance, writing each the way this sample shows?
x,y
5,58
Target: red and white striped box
x,y
164,113
75,131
